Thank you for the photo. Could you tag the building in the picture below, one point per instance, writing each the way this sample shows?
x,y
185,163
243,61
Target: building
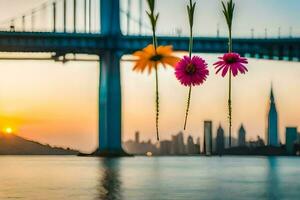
x,y
290,139
242,137
256,143
208,137
220,144
138,147
198,146
178,147
190,145
137,137
272,128
165,147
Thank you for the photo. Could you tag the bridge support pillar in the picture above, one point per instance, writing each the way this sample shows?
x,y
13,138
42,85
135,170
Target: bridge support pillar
x,y
110,17
110,106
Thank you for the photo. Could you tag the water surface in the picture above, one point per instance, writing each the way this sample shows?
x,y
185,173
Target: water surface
x,y
143,178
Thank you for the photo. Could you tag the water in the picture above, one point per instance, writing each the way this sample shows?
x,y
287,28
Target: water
x,y
142,178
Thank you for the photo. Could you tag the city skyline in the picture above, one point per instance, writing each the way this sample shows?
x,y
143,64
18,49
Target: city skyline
x,y
271,134
180,144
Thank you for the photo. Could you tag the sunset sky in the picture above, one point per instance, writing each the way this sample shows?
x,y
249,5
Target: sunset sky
x,y
56,103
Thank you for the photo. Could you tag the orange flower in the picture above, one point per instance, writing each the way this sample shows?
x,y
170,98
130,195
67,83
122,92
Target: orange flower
x,y
148,58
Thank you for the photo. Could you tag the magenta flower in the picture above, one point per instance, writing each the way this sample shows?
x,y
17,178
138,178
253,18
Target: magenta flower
x,y
232,61
191,72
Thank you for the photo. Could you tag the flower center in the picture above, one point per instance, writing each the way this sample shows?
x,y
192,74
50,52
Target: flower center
x,y
156,58
190,69
231,60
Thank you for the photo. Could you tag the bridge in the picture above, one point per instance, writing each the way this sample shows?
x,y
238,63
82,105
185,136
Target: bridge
x,y
109,43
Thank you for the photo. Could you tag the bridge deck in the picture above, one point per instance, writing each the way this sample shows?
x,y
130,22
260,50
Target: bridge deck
x,y
86,43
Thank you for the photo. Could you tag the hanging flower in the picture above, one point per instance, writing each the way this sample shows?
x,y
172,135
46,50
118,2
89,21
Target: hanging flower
x,y
191,71
153,55
148,58
232,62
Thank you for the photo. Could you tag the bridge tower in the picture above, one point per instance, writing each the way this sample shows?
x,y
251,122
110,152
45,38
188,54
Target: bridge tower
x,y
110,117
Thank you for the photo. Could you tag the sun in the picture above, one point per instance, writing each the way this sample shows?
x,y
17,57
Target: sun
x,y
8,130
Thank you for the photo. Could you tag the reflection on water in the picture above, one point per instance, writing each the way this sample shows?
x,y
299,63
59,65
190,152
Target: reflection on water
x,y
109,181
143,178
272,178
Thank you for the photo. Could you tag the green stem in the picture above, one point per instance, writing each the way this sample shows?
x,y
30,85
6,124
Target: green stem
x,y
157,102
230,42
230,90
229,109
187,107
154,39
156,86
191,42
190,55
153,19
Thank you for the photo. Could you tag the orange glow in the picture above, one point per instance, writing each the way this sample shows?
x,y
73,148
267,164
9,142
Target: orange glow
x,y
8,130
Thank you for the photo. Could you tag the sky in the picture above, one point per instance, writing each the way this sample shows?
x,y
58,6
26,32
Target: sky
x,y
56,103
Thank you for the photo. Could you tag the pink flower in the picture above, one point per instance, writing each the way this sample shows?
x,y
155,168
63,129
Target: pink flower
x,y
191,72
232,61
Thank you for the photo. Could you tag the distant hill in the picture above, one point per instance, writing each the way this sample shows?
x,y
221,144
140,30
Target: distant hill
x,y
15,145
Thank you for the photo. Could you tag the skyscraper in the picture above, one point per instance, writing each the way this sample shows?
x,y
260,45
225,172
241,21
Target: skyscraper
x,y
137,137
290,139
272,130
165,147
198,146
178,146
190,145
207,137
220,140
242,137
